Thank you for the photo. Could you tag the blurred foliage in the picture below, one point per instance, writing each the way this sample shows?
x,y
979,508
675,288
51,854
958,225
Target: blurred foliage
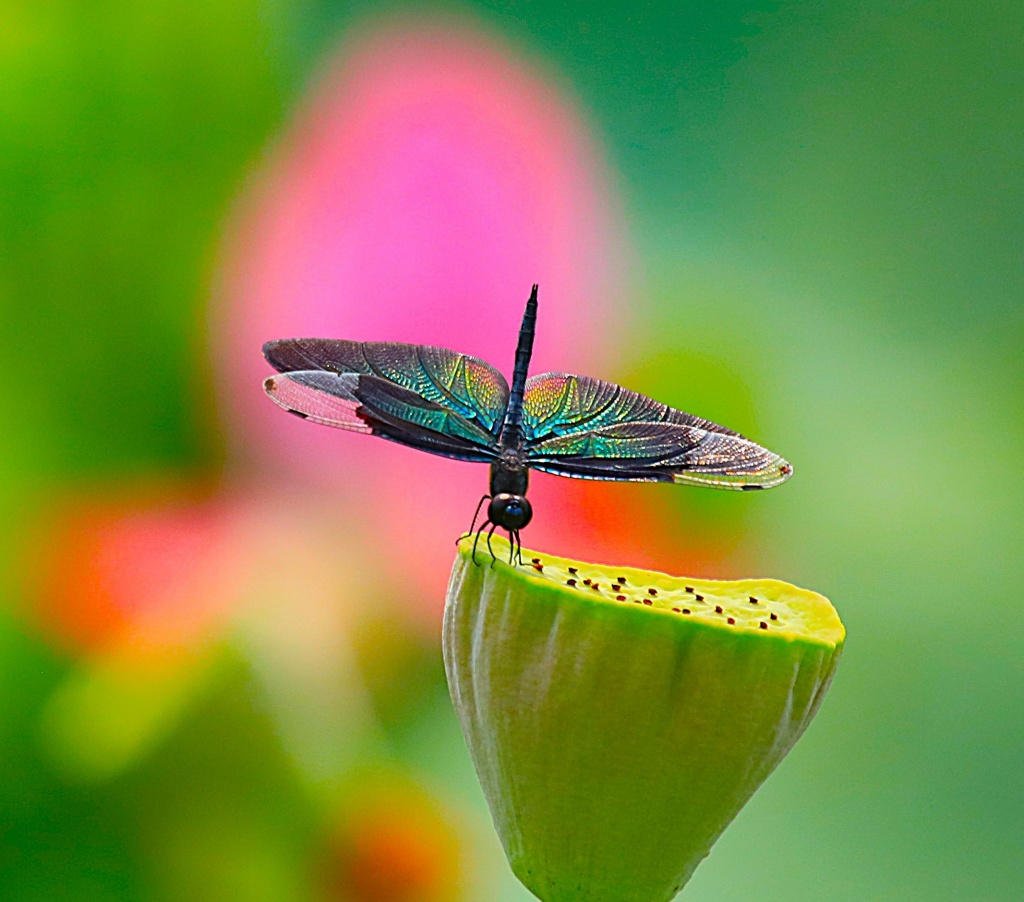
x,y
826,206
125,130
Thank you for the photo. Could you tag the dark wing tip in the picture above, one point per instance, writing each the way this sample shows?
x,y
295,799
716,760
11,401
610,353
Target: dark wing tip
x,y
288,354
268,350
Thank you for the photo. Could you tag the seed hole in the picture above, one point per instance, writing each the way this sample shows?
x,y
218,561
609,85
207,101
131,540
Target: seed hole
x,y
698,597
652,591
718,609
686,610
773,616
570,582
753,600
731,620
764,625
648,601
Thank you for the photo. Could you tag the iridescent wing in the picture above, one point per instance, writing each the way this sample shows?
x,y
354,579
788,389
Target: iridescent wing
x,y
558,403
589,429
376,406
464,385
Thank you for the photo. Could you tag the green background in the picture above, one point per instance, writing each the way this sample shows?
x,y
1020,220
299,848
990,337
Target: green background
x,y
827,207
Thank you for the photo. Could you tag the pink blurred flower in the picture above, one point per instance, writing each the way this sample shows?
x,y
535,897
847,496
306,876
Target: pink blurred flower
x,y
429,180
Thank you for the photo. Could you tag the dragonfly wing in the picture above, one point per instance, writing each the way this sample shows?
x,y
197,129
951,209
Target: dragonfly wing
x,y
465,385
559,404
369,404
660,452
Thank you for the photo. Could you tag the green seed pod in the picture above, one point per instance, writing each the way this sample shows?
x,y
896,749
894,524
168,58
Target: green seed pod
x,y
618,719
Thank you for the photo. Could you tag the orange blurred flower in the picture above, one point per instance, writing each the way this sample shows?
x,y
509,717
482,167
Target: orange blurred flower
x,y
394,844
157,564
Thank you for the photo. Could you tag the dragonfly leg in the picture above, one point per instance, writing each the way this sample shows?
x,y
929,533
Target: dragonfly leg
x,y
472,525
515,551
494,526
476,541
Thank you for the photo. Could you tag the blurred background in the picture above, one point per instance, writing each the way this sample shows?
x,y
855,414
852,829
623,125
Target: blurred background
x,y
220,672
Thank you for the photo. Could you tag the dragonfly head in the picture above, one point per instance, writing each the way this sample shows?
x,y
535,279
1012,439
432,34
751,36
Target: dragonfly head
x,y
509,511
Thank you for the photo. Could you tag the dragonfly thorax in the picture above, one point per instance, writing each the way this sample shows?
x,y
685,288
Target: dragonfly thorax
x,y
509,474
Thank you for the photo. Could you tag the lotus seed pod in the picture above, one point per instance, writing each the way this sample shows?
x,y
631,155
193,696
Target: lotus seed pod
x,y
619,719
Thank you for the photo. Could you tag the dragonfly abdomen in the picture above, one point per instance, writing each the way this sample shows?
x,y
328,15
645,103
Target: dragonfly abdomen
x,y
512,430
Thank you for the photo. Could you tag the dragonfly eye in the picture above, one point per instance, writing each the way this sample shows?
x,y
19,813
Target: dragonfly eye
x,y
510,511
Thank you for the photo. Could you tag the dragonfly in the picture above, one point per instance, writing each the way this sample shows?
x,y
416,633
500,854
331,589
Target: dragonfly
x,y
457,406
